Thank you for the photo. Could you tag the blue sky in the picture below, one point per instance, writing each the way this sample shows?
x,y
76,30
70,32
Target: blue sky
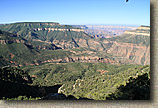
x,y
134,12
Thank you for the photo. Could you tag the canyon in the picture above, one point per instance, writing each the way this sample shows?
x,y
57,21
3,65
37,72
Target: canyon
x,y
130,47
65,62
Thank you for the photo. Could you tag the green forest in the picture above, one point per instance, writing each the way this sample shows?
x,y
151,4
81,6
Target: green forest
x,y
97,81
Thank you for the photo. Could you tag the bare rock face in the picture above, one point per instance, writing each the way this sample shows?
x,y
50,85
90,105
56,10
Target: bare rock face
x,y
3,42
130,53
142,30
11,55
82,43
137,33
11,41
58,29
90,59
131,47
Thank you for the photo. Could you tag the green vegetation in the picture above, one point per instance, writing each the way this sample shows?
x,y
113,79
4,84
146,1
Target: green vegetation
x,y
136,39
15,84
23,55
3,62
15,51
136,89
98,87
96,81
13,74
28,31
41,64
86,80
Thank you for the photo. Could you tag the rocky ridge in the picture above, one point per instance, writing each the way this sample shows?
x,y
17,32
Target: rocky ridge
x,y
124,48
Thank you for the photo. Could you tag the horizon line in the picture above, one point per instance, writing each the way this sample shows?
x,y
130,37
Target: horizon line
x,y
69,24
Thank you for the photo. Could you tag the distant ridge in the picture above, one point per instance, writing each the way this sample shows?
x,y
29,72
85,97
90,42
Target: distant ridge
x,y
31,22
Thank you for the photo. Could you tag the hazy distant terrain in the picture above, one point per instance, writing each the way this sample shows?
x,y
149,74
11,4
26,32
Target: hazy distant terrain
x,y
105,31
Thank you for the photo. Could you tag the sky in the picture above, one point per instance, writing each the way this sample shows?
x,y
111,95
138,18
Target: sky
x,y
76,12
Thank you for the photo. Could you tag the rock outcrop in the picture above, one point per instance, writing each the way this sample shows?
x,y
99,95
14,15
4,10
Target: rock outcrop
x,y
57,29
11,41
130,53
142,30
